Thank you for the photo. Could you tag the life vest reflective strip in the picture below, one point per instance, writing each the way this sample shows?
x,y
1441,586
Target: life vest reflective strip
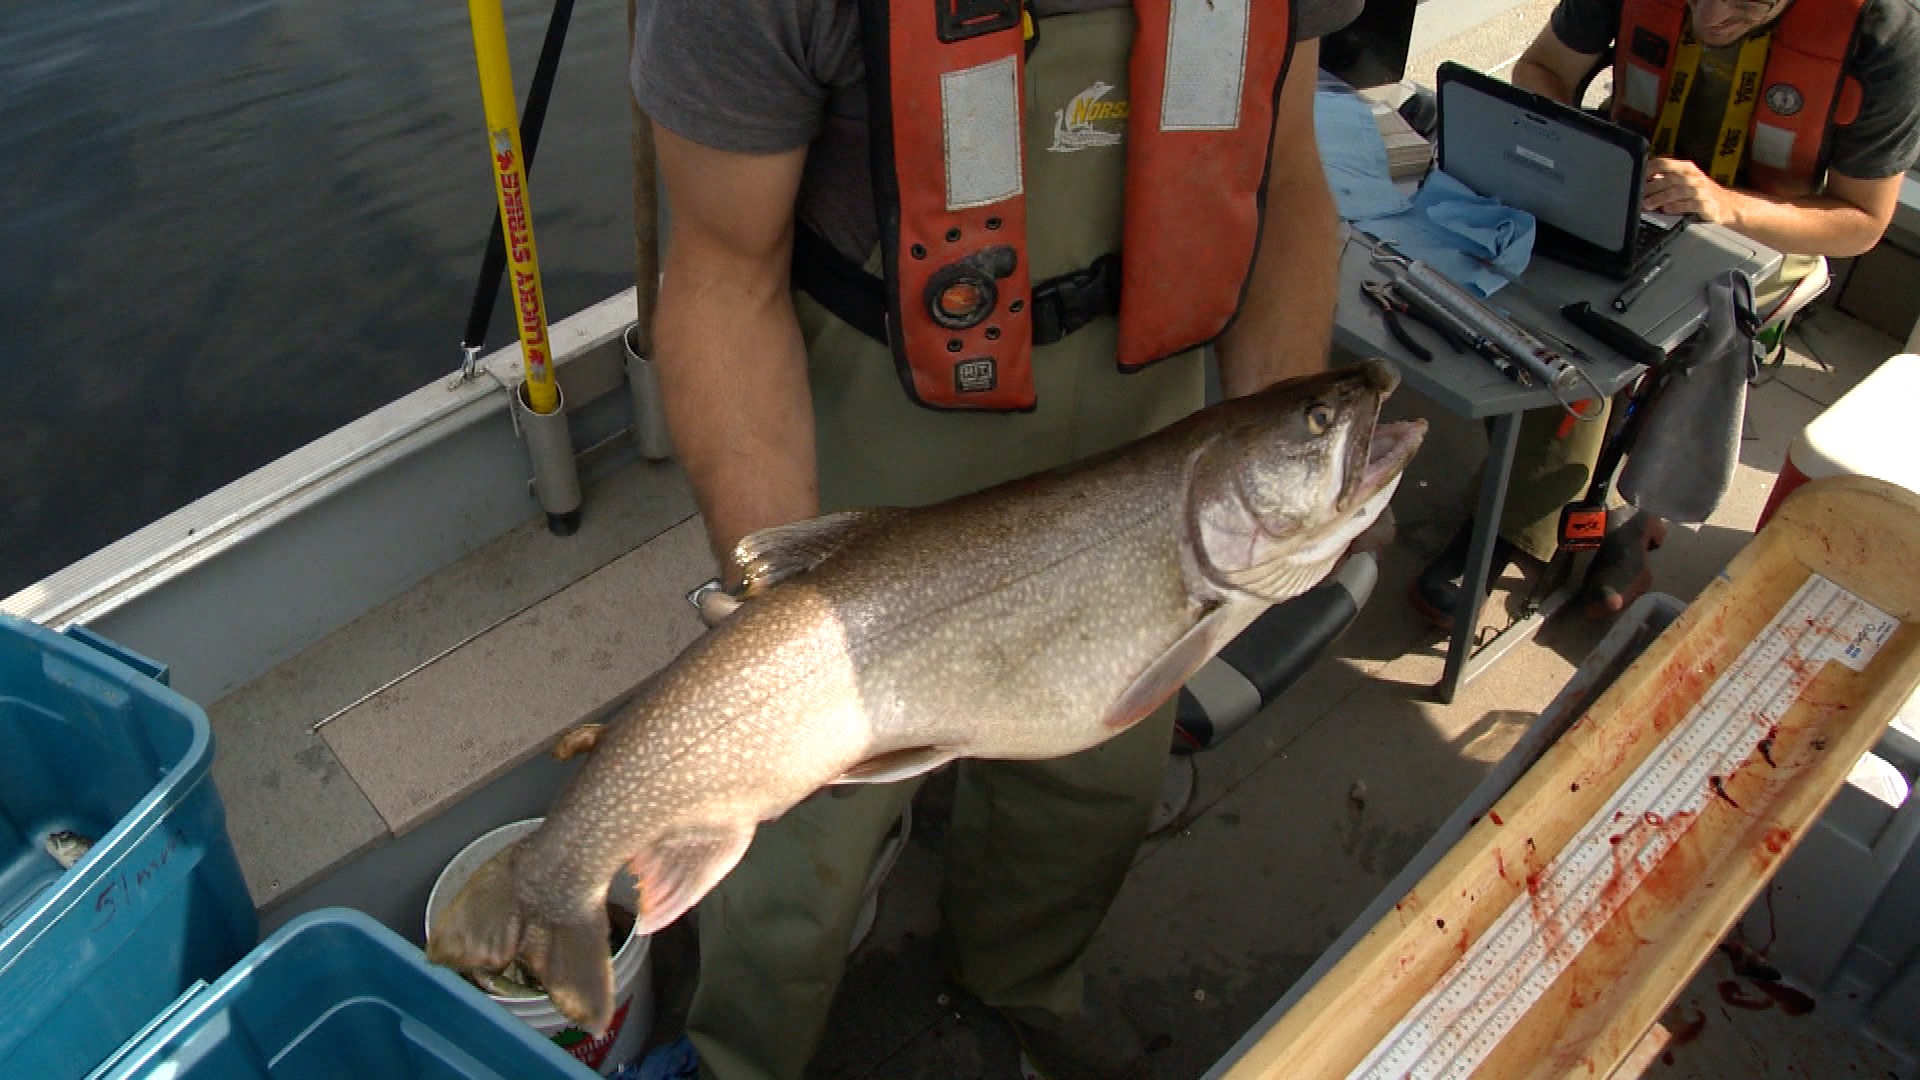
x,y
1198,145
1803,93
946,103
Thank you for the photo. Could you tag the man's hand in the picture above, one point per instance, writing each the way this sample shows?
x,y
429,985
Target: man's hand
x,y
1675,186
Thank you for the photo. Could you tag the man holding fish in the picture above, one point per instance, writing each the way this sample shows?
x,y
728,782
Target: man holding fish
x,y
901,274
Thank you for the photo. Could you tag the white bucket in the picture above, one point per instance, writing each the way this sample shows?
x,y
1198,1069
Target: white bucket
x,y
632,977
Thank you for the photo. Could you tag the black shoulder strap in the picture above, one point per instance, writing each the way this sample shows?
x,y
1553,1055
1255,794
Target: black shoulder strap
x,y
839,284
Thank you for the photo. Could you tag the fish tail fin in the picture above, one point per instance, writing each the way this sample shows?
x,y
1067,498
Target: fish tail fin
x,y
573,962
481,929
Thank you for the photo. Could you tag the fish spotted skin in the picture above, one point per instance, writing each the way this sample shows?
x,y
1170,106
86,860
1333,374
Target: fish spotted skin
x,y
1031,620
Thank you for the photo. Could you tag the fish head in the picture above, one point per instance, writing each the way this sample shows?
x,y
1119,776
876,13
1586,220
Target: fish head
x,y
1300,470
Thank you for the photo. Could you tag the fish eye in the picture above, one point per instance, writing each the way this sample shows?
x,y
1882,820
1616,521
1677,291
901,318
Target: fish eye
x,y
1319,418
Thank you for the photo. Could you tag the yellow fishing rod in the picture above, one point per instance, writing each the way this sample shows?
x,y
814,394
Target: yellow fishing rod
x,y
516,212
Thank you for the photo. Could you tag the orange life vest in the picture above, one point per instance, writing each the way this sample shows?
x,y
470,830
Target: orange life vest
x,y
946,96
1803,89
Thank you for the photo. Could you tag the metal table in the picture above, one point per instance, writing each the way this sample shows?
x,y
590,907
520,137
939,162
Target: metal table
x,y
1467,385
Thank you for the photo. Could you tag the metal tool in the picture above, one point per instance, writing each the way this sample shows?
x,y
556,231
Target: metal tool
x,y
1392,307
1439,314
1489,990
1520,345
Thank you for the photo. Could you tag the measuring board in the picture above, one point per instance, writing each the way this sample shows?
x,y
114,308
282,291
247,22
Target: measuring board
x,y
1549,937
1507,971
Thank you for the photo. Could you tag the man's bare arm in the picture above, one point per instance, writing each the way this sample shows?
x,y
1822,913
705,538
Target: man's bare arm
x,y
1285,325
1552,68
1848,219
732,366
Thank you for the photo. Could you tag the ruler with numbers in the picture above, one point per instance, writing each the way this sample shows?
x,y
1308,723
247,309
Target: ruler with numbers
x,y
1484,995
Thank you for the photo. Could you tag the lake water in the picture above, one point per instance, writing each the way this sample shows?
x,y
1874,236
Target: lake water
x,y
228,228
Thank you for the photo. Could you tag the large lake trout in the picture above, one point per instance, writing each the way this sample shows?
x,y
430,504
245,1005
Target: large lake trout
x,y
1031,620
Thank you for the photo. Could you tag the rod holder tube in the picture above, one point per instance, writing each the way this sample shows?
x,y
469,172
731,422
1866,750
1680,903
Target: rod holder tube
x,y
556,478
643,386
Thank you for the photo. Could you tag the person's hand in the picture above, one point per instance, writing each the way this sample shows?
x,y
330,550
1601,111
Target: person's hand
x,y
1679,187
1375,539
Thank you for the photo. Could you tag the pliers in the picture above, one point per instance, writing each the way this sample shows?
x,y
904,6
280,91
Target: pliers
x,y
1392,307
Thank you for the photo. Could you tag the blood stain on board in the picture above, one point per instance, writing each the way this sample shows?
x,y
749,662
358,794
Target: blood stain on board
x,y
1777,840
1494,816
1719,787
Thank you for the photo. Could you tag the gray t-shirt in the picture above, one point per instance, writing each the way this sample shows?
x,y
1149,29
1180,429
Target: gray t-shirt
x,y
766,76
1883,141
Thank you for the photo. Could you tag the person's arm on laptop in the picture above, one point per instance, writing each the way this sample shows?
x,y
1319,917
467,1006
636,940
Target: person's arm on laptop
x,y
1847,220
1863,184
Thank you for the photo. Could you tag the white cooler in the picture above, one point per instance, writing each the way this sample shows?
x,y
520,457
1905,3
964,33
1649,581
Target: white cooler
x,y
1870,431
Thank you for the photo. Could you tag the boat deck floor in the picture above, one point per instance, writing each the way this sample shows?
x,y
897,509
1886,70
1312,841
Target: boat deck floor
x,y
1292,831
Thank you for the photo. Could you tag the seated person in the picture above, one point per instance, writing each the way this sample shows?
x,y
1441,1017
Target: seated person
x,y
1807,158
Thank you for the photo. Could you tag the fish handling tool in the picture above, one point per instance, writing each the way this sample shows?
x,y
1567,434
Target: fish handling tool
x,y
1424,285
1550,936
1436,314
1393,309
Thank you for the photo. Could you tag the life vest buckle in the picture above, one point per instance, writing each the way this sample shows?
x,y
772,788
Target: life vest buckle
x,y
1071,300
959,20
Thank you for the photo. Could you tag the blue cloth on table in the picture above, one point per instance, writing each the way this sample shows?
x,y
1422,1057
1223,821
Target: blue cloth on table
x,y
1449,223
1444,224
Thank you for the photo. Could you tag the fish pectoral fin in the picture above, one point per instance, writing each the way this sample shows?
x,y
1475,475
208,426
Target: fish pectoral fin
x,y
1166,675
682,866
771,556
897,765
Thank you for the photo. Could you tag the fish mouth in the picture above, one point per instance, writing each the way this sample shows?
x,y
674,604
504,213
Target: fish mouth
x,y
1378,456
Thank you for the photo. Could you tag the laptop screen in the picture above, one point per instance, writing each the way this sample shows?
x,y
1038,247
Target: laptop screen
x,y
1575,173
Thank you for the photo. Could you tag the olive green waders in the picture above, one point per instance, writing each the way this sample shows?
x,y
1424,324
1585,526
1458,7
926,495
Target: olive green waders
x,y
1036,850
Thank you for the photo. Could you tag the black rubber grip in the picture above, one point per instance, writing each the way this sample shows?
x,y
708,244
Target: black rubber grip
x,y
1272,653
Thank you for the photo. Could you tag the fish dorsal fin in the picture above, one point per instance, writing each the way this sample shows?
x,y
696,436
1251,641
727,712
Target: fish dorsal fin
x,y
682,866
897,765
770,556
1170,671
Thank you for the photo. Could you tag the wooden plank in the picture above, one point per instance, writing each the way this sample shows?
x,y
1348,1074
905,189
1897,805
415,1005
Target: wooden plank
x,y
1862,535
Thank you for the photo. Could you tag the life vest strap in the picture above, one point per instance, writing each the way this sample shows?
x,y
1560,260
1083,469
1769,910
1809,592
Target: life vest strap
x,y
839,284
1061,304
